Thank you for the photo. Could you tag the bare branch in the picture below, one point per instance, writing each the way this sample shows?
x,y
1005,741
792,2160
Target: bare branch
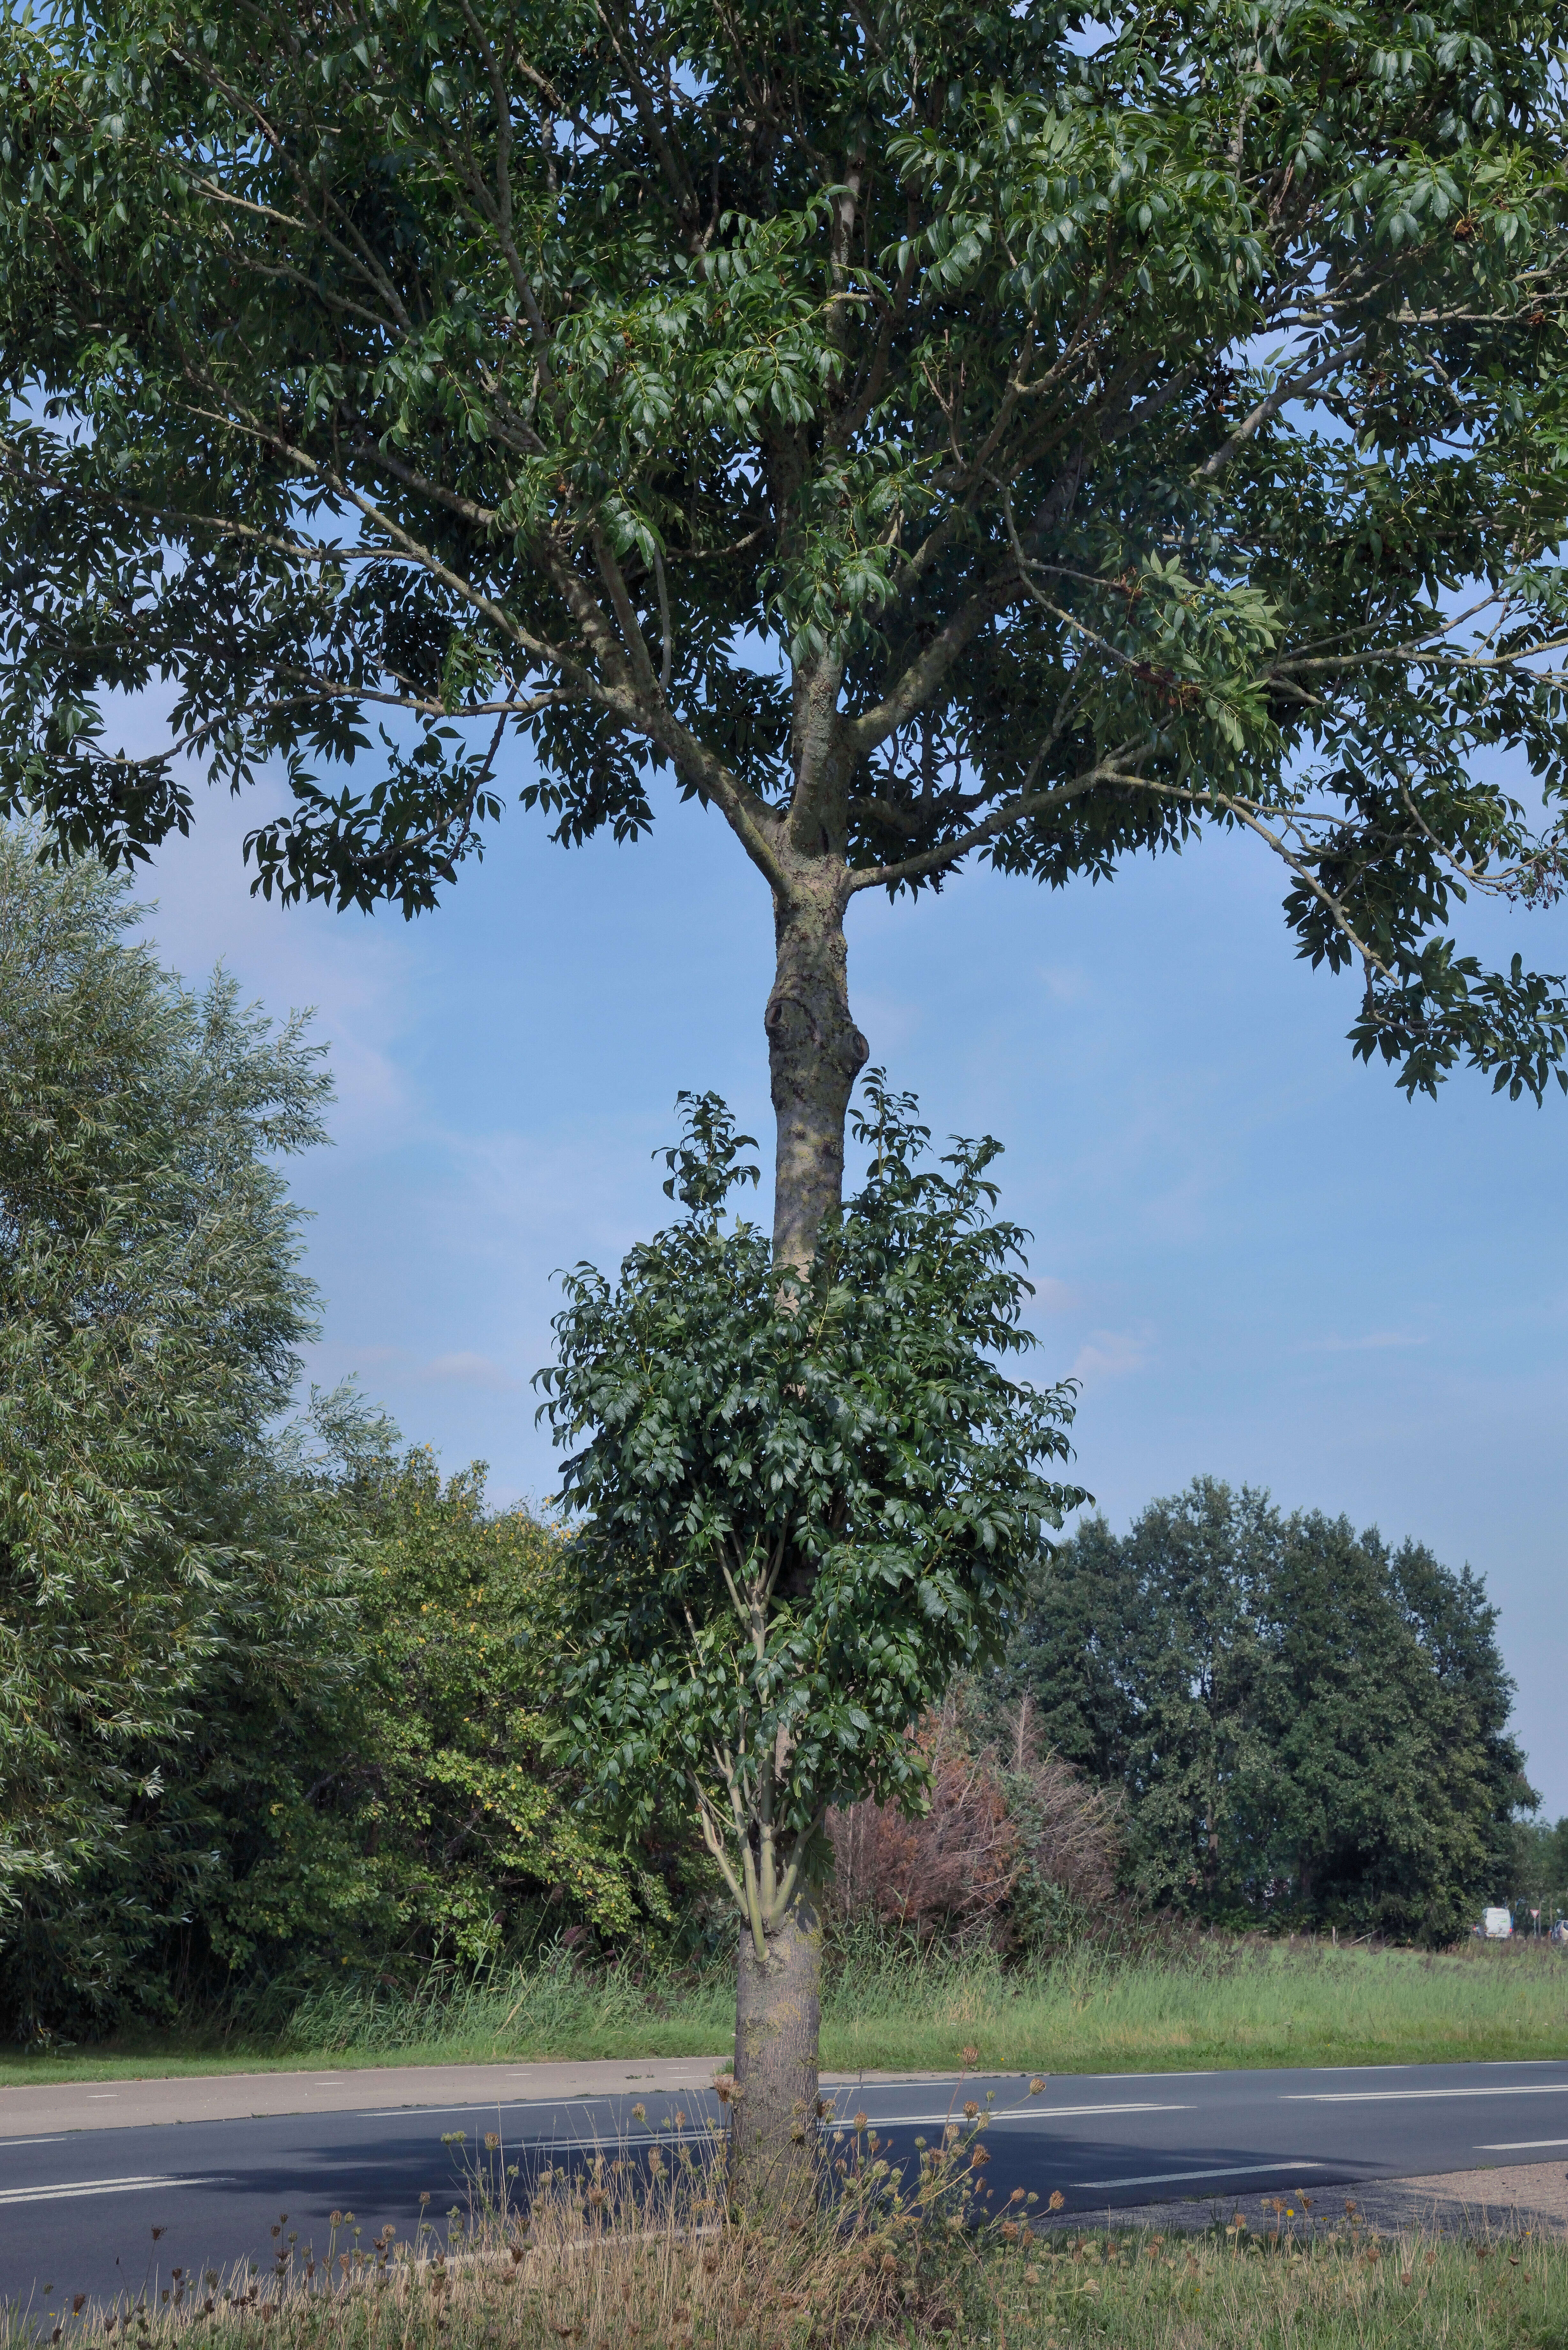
x,y
1118,767
1276,399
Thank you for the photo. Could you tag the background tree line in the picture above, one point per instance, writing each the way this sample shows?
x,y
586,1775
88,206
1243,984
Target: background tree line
x,y
1307,1727
270,1694
277,1699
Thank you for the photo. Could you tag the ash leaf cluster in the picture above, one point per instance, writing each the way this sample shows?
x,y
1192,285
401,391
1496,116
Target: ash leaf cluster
x,y
923,434
806,1497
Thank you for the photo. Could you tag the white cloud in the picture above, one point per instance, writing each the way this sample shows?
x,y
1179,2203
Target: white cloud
x,y
1374,1341
1053,1297
1110,1355
357,975
466,1370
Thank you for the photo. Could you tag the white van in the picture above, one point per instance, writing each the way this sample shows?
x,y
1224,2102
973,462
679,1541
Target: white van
x,y
1497,1925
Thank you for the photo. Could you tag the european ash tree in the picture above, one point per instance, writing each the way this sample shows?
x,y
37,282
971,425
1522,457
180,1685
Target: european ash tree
x,y
922,433
807,1498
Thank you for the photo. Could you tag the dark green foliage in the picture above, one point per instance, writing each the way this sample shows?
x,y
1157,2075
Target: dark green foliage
x,y
1537,1877
411,1815
1103,426
150,1301
806,1499
1310,1727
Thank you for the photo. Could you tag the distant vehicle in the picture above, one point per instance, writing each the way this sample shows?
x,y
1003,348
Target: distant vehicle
x,y
1495,1925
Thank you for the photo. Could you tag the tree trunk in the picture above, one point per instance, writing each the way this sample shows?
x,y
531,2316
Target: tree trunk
x,y
815,1052
815,1055
778,2020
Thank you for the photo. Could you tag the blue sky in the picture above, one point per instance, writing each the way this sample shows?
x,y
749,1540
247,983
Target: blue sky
x,y
1259,1260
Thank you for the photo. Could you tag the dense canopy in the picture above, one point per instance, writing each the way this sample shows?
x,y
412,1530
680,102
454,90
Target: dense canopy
x,y
926,431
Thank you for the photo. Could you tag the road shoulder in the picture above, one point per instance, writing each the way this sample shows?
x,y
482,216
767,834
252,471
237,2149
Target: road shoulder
x,y
43,2108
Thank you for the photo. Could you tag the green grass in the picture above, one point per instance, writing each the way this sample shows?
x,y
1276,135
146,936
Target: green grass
x,y
1214,2004
1230,2293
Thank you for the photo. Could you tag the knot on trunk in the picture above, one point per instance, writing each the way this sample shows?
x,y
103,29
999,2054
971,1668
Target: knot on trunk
x,y
806,1020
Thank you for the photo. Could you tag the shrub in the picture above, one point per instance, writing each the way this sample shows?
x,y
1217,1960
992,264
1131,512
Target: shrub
x,y
1011,1840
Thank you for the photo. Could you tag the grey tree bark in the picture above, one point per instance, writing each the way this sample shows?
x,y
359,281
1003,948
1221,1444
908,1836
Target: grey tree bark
x,y
815,1052
778,2023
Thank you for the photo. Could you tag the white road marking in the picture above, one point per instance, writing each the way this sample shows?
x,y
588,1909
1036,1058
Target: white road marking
x,y
58,2139
414,2112
70,2188
700,2126
1230,2170
1143,2077
1522,2144
1007,2114
831,2121
1385,2096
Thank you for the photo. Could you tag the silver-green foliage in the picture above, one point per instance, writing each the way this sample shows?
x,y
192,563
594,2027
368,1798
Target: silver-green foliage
x,y
807,1496
151,1300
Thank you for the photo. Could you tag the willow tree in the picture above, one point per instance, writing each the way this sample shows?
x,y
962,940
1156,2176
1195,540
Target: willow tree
x,y
922,432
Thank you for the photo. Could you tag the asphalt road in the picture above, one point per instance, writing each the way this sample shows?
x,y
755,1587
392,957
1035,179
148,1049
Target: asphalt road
x,y
113,2210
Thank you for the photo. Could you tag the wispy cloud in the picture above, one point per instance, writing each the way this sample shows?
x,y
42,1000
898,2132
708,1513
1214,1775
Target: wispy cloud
x,y
1053,1297
465,1370
461,1369
1371,1342
1110,1355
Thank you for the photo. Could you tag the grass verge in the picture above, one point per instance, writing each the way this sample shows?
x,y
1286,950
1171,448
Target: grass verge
x,y
1212,2003
605,2266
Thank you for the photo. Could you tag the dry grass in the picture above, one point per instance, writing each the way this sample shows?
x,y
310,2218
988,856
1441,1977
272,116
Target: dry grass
x,y
612,2253
615,2256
